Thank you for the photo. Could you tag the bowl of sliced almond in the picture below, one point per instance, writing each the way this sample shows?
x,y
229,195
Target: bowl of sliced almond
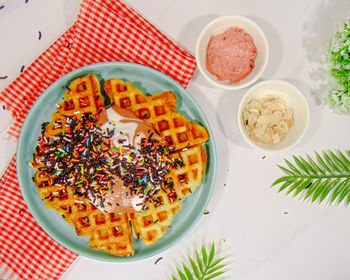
x,y
273,116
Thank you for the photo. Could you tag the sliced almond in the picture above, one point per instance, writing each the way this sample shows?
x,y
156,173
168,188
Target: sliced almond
x,y
267,119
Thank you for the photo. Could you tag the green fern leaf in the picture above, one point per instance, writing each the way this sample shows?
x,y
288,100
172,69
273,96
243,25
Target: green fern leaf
x,y
285,170
339,162
328,189
343,194
341,186
214,275
326,177
308,166
181,274
323,164
301,165
216,262
292,167
204,255
295,185
348,200
200,264
205,267
319,190
280,180
188,272
330,162
302,187
312,188
211,254
286,184
216,268
194,268
314,165
344,159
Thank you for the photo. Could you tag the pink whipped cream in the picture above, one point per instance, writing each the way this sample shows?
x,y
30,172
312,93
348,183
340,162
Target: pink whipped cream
x,y
231,55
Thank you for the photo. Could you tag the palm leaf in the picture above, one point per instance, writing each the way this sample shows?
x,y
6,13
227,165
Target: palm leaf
x,y
325,176
286,184
204,266
188,272
285,170
312,188
194,268
200,264
341,186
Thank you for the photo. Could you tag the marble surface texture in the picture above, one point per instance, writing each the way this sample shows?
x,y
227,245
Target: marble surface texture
x,y
265,234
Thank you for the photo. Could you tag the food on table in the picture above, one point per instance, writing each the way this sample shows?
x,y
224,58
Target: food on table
x,y
267,119
231,55
102,168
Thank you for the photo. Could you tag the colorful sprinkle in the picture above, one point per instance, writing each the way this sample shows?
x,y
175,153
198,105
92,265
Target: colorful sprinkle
x,y
80,157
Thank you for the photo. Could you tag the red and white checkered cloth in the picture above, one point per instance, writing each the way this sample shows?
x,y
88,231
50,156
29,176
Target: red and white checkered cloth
x,y
105,30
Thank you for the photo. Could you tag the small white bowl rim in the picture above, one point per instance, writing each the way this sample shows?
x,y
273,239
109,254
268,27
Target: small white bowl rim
x,y
245,99
244,83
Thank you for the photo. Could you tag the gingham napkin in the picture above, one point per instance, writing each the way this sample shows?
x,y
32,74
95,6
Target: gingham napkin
x,y
104,31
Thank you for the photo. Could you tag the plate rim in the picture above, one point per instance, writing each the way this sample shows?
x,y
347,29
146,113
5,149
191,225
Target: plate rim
x,y
35,212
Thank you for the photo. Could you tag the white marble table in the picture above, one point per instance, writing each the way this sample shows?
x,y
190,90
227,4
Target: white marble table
x,y
266,234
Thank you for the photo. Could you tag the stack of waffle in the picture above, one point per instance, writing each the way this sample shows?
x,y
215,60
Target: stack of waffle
x,y
112,231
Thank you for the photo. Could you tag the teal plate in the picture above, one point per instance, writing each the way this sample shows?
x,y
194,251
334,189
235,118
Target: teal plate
x,y
149,81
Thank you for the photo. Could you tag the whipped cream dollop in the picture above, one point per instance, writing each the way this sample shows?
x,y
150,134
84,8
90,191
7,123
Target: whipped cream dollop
x,y
127,127
128,136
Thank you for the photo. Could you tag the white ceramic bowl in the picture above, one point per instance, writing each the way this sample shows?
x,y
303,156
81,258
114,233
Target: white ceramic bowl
x,y
220,25
294,99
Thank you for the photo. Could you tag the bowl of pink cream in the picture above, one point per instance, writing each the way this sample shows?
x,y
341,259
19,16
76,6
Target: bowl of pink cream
x,y
232,52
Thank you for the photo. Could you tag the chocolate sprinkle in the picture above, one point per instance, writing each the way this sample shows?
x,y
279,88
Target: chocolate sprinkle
x,y
3,77
158,260
39,35
22,68
2,6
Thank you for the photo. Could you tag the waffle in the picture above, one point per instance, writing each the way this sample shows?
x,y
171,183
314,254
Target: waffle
x,y
189,176
157,109
82,96
151,224
110,232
